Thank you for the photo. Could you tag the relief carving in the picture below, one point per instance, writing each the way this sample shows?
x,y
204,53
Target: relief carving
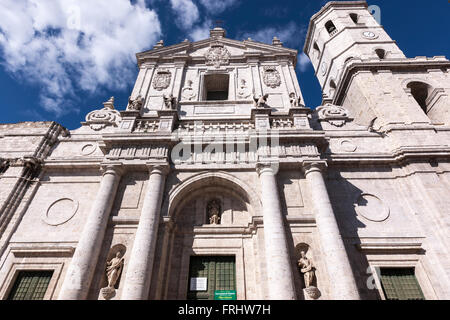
x,y
335,115
217,55
271,76
162,79
243,90
188,93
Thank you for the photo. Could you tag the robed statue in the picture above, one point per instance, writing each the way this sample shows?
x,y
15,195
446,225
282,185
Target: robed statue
x,y
114,269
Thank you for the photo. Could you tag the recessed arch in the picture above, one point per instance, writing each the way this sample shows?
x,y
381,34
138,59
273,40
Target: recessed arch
x,y
420,91
348,59
316,49
354,17
381,53
177,197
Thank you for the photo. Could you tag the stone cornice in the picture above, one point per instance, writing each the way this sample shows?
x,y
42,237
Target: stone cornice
x,y
355,66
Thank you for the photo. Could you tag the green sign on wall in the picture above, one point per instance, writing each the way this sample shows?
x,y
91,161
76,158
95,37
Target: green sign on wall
x,y
225,295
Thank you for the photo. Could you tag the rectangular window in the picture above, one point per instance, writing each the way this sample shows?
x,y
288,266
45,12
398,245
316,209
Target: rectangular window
x,y
30,285
400,284
216,87
219,272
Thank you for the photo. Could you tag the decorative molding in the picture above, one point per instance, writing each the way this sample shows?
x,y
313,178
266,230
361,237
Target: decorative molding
x,y
42,251
60,211
138,152
348,146
371,207
88,149
390,244
369,35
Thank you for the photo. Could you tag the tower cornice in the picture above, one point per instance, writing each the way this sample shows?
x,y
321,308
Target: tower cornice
x,y
323,11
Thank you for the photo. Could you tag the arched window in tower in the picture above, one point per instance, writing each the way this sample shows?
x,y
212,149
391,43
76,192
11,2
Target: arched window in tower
x,y
316,50
421,91
354,17
214,211
381,53
332,87
331,28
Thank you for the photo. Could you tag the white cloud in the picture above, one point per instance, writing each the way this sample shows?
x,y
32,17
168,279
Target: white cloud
x,y
290,34
68,45
201,32
217,6
186,13
303,62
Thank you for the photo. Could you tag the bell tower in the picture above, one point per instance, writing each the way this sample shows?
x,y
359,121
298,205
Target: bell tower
x,y
360,67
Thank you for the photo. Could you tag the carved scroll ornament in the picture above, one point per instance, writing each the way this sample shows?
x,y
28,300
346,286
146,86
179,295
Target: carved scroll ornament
x,y
108,116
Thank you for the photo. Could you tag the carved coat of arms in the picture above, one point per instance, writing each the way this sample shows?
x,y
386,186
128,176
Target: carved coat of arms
x,y
271,76
162,79
217,55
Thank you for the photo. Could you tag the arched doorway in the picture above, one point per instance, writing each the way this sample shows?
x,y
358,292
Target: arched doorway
x,y
212,244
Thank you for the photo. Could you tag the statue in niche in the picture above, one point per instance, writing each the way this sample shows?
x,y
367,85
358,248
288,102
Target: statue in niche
x,y
213,209
307,268
136,104
170,102
295,102
188,92
261,102
114,269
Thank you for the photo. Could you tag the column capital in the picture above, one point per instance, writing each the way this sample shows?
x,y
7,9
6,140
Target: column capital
x,y
115,168
162,168
267,167
312,166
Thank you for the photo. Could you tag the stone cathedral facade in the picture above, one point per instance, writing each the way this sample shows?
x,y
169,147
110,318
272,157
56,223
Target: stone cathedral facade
x,y
217,181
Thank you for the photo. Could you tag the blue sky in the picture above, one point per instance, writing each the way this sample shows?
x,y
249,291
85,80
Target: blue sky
x,y
60,59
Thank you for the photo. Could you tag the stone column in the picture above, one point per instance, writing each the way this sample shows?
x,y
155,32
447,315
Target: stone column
x,y
81,269
278,264
139,270
342,281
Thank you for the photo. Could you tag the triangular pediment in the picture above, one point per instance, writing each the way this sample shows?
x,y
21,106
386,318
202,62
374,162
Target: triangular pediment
x,y
198,49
